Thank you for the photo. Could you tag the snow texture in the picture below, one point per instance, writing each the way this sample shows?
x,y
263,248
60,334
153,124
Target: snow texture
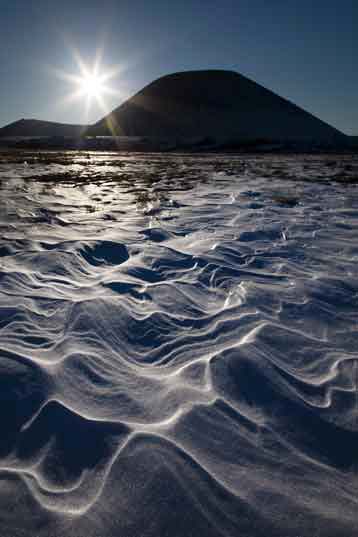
x,y
178,346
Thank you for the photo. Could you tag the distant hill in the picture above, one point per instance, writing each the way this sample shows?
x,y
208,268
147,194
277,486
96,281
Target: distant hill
x,y
212,103
35,127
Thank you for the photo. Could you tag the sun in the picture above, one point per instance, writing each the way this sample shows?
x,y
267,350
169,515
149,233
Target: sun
x,y
92,85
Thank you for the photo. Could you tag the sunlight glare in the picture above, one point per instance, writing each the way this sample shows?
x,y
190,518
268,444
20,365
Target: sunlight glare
x,y
91,85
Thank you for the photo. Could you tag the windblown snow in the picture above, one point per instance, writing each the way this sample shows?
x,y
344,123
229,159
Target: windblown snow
x,y
178,346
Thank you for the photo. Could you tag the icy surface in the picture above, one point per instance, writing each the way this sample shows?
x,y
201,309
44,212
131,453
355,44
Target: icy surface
x,y
178,346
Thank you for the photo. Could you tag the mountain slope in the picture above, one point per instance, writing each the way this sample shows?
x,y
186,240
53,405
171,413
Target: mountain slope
x,y
35,127
212,103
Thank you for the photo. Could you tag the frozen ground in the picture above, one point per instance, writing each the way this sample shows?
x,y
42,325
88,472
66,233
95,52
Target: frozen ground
x,y
178,346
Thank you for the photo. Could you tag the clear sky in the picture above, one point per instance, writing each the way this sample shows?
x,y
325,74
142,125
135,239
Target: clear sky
x,y
304,50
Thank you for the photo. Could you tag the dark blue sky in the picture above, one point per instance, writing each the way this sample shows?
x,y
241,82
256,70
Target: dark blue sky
x,y
303,50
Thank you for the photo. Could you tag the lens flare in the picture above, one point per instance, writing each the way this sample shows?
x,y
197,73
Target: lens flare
x,y
90,83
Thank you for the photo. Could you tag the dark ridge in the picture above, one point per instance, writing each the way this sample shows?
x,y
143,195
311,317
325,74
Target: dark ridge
x,y
220,104
35,127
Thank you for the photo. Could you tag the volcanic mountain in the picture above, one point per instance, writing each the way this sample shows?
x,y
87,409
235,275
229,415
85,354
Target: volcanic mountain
x,y
215,103
222,105
36,127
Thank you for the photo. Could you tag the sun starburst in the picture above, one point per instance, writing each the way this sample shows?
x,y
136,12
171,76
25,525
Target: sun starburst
x,y
90,83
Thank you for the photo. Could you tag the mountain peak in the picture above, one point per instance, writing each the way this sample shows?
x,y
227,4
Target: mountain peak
x,y
212,102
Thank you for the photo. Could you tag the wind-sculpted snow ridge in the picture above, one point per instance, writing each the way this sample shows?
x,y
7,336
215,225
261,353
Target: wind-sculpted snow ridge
x,y
178,346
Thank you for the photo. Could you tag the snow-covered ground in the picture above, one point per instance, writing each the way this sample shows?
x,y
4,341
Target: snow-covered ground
x,y
178,345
